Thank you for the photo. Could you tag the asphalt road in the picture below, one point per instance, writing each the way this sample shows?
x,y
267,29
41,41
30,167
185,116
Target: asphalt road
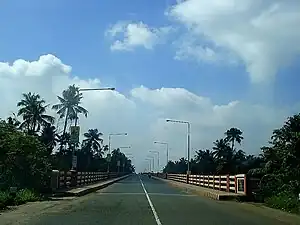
x,y
139,200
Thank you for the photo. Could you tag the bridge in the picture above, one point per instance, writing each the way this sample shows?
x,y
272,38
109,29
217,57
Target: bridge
x,y
137,199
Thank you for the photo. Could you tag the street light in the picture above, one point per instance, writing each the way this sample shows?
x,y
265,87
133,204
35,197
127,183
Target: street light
x,y
188,139
167,145
149,164
125,147
152,158
76,117
93,89
109,145
156,152
114,134
97,89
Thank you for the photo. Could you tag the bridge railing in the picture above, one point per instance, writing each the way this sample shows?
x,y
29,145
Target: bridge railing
x,y
228,183
67,179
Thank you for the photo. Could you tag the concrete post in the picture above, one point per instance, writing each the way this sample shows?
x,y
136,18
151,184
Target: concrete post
x,y
73,178
54,180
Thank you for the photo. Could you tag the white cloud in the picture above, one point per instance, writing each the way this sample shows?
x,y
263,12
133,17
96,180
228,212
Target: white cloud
x,y
142,112
263,34
127,36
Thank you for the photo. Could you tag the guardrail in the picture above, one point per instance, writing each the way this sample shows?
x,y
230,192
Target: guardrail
x,y
67,179
228,183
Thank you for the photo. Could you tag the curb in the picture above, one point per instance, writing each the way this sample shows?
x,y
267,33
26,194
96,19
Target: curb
x,y
93,189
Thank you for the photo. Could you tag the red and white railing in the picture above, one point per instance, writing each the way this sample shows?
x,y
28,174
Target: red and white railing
x,y
228,183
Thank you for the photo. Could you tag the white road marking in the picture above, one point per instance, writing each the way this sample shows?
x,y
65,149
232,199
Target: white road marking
x,y
150,194
151,205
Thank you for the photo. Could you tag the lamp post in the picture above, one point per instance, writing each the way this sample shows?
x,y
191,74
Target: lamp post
x,y
93,89
152,159
167,146
149,164
156,152
188,139
76,119
109,146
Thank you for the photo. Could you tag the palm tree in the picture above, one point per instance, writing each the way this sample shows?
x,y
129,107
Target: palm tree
x,y
13,121
63,140
93,141
224,156
49,137
220,149
69,106
33,109
232,135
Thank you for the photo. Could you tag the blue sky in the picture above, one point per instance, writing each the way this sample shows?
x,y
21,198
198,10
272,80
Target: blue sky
x,y
74,32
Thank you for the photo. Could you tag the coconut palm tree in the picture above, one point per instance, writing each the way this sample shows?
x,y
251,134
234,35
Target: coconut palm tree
x,y
69,106
13,121
232,135
63,140
33,109
49,137
220,149
224,156
93,141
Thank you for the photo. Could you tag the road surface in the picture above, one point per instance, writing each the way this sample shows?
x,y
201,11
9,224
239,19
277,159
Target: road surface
x,y
139,200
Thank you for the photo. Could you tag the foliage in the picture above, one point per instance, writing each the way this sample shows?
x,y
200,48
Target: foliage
x,y
22,196
26,195
125,163
69,106
5,199
33,109
23,158
93,142
284,201
232,135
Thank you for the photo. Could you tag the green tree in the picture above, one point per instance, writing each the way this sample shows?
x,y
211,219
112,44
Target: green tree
x,y
282,159
24,159
204,162
232,135
224,156
13,121
49,137
33,109
69,105
93,142
64,140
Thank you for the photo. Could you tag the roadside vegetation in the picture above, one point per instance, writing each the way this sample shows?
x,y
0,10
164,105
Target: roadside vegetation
x,y
277,166
31,146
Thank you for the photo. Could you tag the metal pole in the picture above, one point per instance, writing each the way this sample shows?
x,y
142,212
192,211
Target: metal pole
x,y
167,154
153,164
188,145
108,163
149,164
158,161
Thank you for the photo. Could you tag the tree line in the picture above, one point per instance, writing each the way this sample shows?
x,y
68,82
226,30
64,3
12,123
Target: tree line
x,y
277,166
31,145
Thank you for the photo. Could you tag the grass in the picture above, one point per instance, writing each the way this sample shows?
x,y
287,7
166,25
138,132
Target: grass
x,y
22,196
284,201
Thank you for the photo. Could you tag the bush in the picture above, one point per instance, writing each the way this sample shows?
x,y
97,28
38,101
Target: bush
x,y
24,160
26,195
5,199
21,197
284,201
